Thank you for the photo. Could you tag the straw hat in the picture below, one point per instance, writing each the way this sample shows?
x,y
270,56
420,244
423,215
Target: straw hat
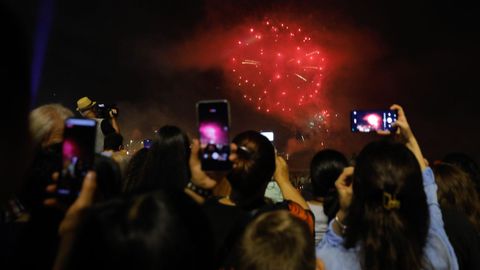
x,y
85,103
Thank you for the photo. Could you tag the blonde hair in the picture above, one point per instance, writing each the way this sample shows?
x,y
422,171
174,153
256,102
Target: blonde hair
x,y
45,120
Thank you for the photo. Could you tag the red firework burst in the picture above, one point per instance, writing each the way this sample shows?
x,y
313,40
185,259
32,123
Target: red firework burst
x,y
277,67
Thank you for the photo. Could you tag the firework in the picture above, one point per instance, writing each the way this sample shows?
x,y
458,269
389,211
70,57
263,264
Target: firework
x,y
277,67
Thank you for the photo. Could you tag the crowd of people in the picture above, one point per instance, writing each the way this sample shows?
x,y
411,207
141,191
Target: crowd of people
x,y
387,208
157,209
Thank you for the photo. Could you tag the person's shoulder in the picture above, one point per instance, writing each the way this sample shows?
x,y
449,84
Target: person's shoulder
x,y
297,210
337,257
214,204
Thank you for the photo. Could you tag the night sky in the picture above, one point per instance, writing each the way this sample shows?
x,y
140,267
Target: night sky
x,y
155,60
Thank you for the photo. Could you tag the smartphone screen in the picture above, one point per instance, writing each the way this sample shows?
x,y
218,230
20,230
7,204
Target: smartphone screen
x,y
372,120
78,150
214,126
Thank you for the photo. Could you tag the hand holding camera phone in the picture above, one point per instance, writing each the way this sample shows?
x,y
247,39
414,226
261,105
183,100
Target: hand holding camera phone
x,y
373,120
106,111
214,127
78,152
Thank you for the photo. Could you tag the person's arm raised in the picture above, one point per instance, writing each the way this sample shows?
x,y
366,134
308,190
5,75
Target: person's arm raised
x,y
344,188
113,116
201,179
405,135
282,178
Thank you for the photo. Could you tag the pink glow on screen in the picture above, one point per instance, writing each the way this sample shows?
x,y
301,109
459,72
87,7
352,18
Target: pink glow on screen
x,y
70,149
212,133
373,119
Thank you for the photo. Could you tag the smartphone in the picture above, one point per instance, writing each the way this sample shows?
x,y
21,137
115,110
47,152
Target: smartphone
x,y
373,120
213,117
269,134
78,153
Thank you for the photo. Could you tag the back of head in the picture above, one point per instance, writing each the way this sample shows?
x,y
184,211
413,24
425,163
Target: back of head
x,y
152,231
467,164
166,165
109,177
113,141
325,168
392,236
456,190
277,240
86,107
253,169
47,124
134,167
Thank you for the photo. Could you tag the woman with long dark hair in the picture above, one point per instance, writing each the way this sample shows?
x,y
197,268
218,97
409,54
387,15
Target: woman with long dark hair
x,y
166,165
389,216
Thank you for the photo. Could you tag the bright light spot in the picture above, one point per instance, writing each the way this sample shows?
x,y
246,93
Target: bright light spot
x,y
374,120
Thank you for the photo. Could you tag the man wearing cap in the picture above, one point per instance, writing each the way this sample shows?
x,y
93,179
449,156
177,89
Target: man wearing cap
x,y
86,107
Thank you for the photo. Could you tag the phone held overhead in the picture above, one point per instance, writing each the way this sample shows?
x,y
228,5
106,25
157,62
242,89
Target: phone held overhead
x,y
78,152
213,117
372,120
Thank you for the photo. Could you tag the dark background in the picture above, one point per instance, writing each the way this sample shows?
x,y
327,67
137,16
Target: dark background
x,y
425,58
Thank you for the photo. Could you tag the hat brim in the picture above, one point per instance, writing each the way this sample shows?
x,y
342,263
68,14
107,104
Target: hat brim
x,y
88,107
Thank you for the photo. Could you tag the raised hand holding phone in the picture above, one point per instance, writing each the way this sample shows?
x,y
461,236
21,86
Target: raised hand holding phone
x,y
78,152
404,134
199,177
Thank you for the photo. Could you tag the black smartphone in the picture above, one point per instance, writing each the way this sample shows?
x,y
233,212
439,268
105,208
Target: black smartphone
x,y
373,120
78,153
213,117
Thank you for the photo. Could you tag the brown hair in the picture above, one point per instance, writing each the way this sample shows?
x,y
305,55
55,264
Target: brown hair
x,y
457,190
389,237
277,240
